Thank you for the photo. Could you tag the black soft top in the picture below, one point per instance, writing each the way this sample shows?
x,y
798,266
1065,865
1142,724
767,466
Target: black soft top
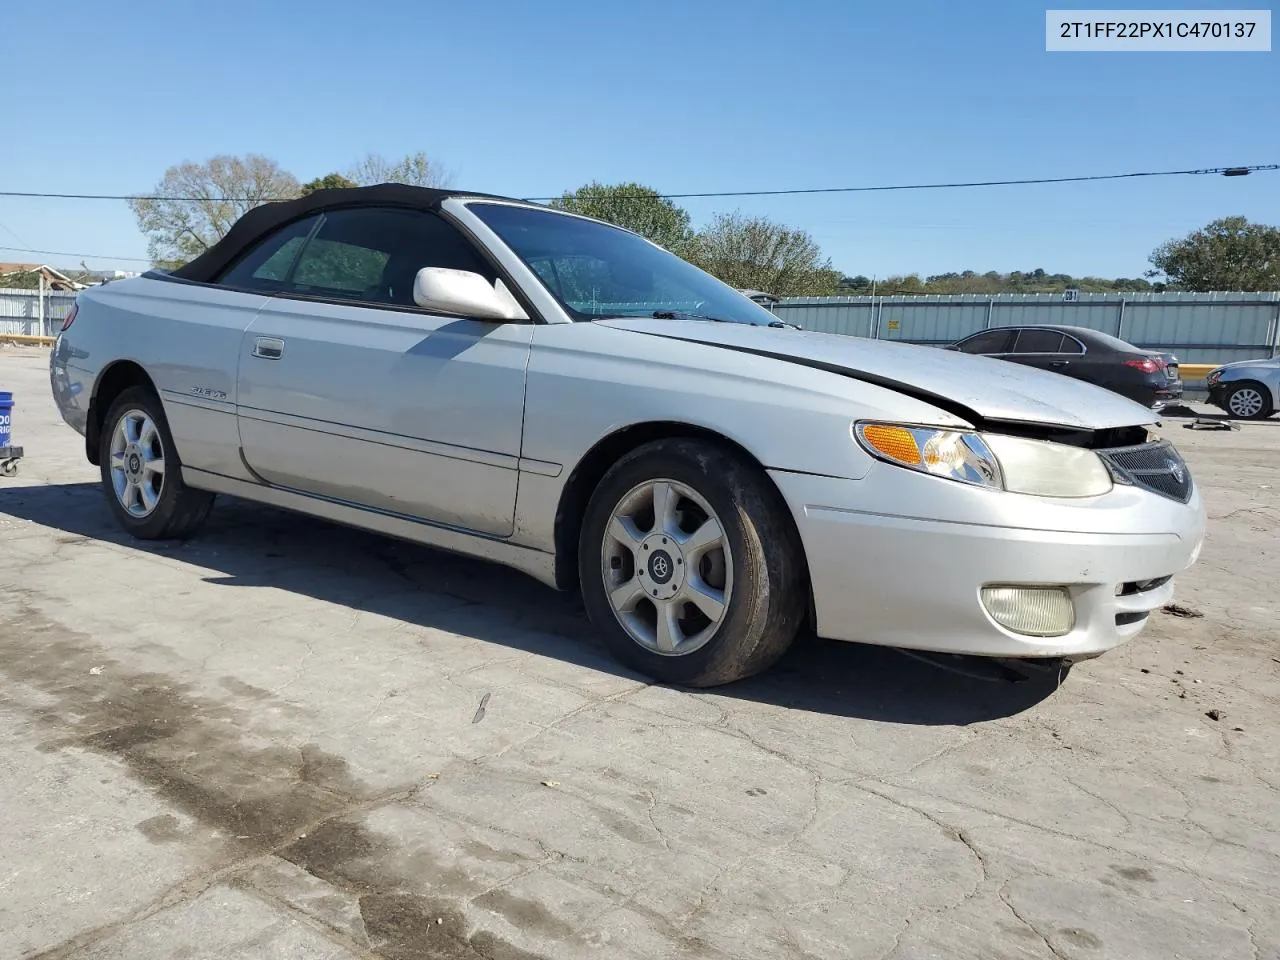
x,y
267,218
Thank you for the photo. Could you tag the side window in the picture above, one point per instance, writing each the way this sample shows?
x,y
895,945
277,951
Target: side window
x,y
989,341
332,265
374,254
1038,341
1071,345
266,266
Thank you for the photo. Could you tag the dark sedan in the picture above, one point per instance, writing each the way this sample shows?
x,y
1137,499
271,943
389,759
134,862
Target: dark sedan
x,y
1148,376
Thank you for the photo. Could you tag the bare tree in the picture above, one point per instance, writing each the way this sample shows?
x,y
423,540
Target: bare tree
x,y
195,204
415,169
759,254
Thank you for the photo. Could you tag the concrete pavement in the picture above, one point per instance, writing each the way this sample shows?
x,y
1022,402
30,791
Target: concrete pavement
x,y
289,739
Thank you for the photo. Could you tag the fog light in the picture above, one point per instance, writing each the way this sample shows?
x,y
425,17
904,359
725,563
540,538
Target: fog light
x,y
1031,611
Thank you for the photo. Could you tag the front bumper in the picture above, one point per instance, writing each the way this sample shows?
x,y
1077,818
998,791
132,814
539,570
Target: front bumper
x,y
900,559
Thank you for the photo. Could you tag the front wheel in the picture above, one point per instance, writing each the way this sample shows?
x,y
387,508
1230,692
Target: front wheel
x,y
690,565
141,473
1248,401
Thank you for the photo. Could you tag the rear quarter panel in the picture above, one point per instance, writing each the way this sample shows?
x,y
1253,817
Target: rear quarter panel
x,y
185,336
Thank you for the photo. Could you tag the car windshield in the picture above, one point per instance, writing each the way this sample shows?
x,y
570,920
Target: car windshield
x,y
596,270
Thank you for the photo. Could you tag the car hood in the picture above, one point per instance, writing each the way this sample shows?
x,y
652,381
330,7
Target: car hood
x,y
1241,364
974,387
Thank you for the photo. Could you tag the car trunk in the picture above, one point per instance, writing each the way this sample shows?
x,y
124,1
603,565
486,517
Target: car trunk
x,y
1170,362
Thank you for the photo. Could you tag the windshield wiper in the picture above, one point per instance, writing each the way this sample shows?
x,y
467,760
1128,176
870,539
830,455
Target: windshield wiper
x,y
688,315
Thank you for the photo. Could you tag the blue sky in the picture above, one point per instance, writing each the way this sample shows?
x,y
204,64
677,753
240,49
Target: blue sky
x,y
531,99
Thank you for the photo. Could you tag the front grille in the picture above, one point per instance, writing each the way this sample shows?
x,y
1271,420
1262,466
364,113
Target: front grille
x,y
1155,466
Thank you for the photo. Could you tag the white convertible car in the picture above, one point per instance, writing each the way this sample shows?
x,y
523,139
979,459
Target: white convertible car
x,y
554,393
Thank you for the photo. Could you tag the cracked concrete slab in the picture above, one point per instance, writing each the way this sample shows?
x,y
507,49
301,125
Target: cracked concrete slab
x,y
221,924
287,739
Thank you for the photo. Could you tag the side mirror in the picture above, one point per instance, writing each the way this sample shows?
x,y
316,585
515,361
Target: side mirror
x,y
464,292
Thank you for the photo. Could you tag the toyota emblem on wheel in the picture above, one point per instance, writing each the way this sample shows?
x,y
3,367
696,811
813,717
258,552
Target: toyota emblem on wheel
x,y
660,567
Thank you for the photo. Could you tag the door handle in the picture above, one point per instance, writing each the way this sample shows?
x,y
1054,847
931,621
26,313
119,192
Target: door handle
x,y
1058,363
268,348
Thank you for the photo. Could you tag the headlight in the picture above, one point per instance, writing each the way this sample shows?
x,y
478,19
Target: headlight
x,y
1213,376
944,453
1034,467
1046,469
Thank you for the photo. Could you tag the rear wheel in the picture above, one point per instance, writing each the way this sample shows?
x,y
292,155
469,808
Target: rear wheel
x,y
690,565
1248,401
141,473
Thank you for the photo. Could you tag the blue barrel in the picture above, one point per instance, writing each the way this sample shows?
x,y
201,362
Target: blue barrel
x,y
6,417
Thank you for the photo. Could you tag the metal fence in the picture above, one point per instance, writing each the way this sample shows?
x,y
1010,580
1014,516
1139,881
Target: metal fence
x,y
1198,327
26,313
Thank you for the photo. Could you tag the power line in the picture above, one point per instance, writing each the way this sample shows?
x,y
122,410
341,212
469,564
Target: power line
x,y
1224,171
13,233
1238,171
83,256
1209,171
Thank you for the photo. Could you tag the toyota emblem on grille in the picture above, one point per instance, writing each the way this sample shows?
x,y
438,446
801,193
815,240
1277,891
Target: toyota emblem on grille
x,y
1176,469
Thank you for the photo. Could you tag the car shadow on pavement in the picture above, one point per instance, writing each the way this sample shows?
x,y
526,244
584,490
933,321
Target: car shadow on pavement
x,y
247,545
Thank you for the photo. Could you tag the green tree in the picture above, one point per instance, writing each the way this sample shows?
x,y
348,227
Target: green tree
x,y
195,204
330,181
20,280
635,207
1228,254
760,254
854,286
415,169
991,282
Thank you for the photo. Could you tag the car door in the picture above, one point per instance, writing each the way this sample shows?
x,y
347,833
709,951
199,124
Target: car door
x,y
189,338
350,391
1038,347
1092,364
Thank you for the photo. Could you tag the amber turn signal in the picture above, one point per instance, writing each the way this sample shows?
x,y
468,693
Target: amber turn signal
x,y
896,443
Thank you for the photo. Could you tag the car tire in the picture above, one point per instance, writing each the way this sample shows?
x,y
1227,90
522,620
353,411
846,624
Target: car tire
x,y
755,570
1253,398
149,505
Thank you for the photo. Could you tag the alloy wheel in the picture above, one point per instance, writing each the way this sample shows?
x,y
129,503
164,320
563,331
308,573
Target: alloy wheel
x,y
667,567
137,463
1245,402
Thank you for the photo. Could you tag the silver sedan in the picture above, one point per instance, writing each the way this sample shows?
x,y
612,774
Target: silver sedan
x,y
1247,389
560,395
